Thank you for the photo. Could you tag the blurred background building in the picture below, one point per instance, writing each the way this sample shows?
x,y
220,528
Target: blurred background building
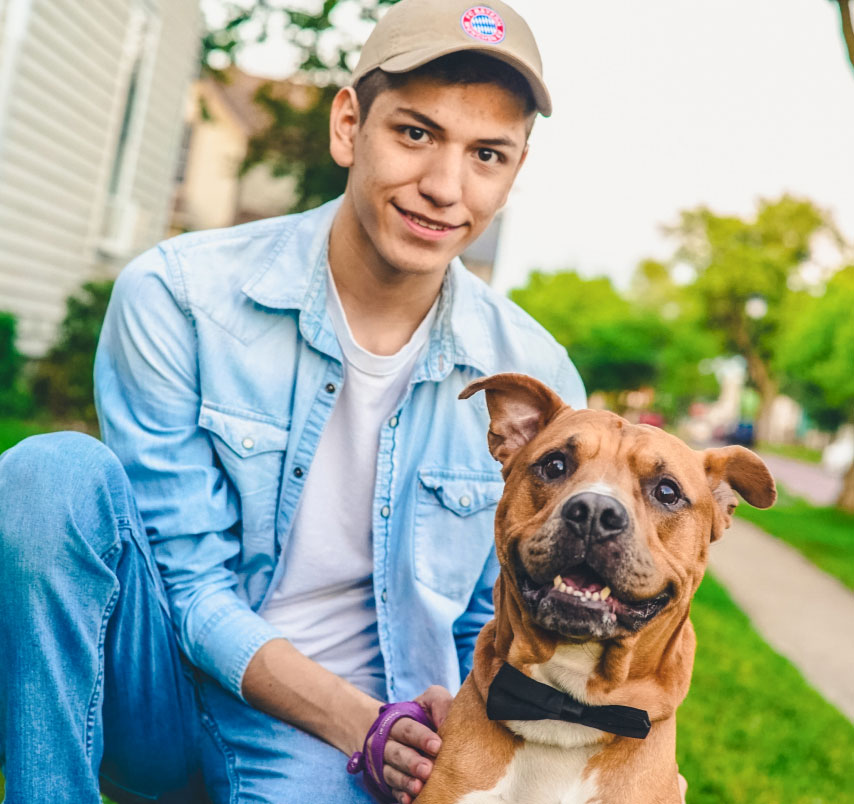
x,y
221,117
91,115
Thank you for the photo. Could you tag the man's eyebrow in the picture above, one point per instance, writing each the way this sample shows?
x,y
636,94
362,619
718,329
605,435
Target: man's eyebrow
x,y
421,118
498,142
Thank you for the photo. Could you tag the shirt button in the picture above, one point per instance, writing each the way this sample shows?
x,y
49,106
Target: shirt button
x,y
248,443
384,596
392,422
385,511
298,472
330,388
465,501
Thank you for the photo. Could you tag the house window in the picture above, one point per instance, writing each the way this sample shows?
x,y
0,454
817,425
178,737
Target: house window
x,y
121,215
140,24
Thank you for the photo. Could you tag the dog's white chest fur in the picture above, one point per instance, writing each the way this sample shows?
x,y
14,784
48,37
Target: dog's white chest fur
x,y
549,768
542,774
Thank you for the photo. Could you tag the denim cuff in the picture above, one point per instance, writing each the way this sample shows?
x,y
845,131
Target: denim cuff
x,y
227,643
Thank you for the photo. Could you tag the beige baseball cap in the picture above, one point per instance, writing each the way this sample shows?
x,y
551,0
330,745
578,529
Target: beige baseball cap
x,y
414,32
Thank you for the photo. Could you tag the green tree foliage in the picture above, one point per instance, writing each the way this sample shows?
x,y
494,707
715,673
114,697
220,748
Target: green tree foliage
x,y
745,270
816,356
296,143
617,344
14,398
689,343
63,383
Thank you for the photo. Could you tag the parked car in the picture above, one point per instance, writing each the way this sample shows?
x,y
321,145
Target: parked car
x,y
741,434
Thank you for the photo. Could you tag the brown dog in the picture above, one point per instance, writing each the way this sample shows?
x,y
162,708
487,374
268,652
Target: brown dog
x,y
602,535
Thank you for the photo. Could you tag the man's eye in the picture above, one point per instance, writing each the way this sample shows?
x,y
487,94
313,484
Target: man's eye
x,y
416,134
667,493
487,155
554,466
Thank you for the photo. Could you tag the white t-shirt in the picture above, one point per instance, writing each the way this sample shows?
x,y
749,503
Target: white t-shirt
x,y
325,601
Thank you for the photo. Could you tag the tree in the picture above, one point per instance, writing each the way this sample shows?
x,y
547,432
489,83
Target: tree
x,y
815,355
63,383
689,343
296,142
744,273
618,345
847,27
14,397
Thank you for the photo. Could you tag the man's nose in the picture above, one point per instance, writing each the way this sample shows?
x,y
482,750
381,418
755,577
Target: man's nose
x,y
442,181
595,516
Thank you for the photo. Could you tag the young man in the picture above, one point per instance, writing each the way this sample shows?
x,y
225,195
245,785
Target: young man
x,y
293,521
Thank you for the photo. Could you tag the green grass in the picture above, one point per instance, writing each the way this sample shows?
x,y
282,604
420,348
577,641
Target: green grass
x,y
14,430
824,535
751,730
796,451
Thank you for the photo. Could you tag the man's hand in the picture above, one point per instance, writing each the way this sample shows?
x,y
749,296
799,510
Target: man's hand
x,y
411,746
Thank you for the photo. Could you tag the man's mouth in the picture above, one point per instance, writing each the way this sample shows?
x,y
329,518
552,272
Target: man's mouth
x,y
420,222
579,602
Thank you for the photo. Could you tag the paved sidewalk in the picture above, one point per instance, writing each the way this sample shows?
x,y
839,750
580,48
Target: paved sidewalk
x,y
808,480
803,613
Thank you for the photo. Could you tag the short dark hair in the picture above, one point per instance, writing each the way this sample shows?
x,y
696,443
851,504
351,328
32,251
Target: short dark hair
x,y
464,67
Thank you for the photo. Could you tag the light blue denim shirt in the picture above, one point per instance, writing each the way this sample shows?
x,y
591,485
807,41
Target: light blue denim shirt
x,y
216,371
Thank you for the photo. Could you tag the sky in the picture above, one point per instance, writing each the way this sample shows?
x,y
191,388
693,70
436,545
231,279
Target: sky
x,y
665,105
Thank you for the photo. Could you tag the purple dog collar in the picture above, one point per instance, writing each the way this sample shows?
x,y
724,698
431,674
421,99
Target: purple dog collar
x,y
380,731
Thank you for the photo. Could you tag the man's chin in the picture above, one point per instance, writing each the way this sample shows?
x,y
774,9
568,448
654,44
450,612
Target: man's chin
x,y
420,261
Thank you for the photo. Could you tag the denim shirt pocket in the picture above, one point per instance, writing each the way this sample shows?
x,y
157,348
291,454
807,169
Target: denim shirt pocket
x,y
251,448
454,515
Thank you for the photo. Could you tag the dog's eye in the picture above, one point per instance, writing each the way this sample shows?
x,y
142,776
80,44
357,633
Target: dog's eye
x,y
667,492
554,466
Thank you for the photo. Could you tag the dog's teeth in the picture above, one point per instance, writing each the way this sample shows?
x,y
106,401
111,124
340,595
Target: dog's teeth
x,y
595,596
587,594
605,593
557,581
577,593
562,587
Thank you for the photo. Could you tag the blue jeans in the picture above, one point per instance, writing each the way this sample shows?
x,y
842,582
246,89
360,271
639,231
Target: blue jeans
x,y
93,686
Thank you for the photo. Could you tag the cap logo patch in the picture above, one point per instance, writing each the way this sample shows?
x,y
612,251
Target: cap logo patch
x,y
481,22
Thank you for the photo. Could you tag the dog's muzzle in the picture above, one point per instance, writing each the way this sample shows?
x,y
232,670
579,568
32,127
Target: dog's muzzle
x,y
577,573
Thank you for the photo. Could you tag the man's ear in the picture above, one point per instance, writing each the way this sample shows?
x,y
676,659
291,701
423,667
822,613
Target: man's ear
x,y
737,468
519,407
343,126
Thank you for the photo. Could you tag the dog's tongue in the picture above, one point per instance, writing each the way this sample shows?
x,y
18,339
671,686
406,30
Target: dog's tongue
x,y
583,580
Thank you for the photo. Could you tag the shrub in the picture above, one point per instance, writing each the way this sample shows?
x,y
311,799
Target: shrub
x,y
63,383
15,400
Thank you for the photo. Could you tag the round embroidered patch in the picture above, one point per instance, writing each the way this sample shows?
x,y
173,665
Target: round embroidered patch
x,y
481,22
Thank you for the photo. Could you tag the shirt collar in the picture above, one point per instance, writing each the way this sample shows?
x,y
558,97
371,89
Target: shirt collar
x,y
459,335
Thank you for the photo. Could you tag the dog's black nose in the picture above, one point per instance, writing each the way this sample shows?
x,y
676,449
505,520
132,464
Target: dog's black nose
x,y
598,515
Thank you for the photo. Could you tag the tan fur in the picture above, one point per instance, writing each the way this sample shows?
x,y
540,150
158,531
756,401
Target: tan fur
x,y
550,762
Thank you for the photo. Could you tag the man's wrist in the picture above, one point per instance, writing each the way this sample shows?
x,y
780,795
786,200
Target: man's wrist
x,y
362,722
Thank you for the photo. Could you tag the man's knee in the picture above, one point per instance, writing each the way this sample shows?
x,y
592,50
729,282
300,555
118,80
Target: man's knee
x,y
55,486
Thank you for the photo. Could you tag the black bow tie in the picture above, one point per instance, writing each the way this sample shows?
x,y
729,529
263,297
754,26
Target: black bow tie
x,y
515,696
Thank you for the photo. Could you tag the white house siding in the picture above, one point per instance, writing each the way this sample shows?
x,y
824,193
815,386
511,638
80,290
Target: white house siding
x,y
63,91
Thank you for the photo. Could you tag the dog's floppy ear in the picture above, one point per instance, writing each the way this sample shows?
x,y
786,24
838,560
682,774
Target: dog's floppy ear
x,y
729,468
519,407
